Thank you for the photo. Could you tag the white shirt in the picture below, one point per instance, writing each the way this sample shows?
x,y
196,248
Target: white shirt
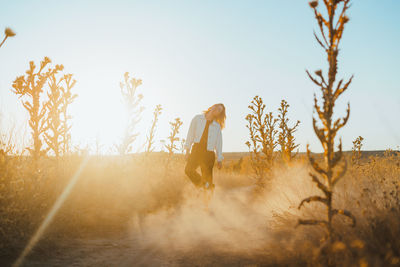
x,y
214,141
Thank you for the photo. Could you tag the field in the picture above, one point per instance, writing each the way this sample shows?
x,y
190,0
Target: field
x,y
67,199
122,212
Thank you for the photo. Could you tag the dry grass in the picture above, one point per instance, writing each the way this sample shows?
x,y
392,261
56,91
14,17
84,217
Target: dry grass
x,y
130,195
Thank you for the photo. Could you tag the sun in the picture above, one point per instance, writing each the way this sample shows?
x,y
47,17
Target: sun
x,y
102,122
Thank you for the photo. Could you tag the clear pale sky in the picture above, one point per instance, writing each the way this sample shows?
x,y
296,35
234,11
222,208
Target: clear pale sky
x,y
192,54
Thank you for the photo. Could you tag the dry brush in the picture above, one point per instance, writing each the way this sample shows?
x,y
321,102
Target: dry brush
x,y
30,89
328,173
150,137
59,98
286,139
267,132
131,100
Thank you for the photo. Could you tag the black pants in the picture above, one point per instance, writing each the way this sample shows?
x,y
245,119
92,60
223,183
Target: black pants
x,y
203,158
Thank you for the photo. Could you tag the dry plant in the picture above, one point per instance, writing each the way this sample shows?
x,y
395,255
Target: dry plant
x,y
59,98
286,138
356,150
67,98
262,142
182,145
52,136
173,138
8,33
133,111
30,90
150,137
328,174
256,158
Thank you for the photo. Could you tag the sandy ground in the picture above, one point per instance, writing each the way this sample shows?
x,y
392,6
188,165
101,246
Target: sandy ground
x,y
225,232
130,252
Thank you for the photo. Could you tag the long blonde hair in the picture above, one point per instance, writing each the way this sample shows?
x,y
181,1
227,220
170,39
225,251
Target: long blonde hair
x,y
221,117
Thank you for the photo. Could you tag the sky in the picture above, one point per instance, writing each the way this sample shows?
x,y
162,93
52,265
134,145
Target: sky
x,y
192,54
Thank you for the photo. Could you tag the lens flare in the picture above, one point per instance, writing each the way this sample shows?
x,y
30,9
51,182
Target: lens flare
x,y
61,199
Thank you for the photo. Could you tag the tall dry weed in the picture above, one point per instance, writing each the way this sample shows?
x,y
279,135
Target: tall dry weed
x,y
262,130
30,89
286,139
173,139
52,137
150,138
132,101
172,142
68,98
356,150
327,173
57,137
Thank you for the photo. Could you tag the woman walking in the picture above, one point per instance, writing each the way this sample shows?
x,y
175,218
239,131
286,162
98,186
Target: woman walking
x,y
206,137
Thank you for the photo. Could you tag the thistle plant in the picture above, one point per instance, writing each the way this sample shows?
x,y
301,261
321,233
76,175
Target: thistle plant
x,y
67,99
256,159
173,138
133,111
29,89
52,136
356,150
8,32
150,137
327,175
262,130
57,136
286,138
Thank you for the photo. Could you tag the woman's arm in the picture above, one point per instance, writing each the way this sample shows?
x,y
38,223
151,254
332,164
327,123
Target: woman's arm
x,y
219,146
191,134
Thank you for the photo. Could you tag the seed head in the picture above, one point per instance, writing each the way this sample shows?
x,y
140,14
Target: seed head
x,y
313,4
46,60
9,32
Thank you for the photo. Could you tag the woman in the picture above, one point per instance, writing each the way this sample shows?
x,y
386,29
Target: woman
x,y
205,135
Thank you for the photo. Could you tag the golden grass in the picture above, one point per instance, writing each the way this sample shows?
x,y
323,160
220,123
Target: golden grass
x,y
133,196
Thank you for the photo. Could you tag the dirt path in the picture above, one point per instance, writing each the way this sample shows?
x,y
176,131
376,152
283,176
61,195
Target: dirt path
x,y
126,252
96,252
229,232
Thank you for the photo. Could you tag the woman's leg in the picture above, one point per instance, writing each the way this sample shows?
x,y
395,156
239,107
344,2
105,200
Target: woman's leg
x,y
191,165
207,165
